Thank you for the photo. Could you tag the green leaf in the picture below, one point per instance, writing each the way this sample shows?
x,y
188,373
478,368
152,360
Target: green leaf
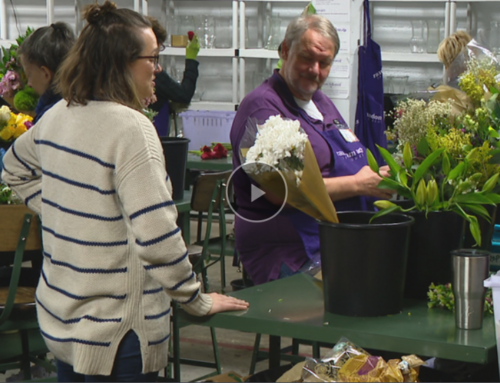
x,y
493,133
381,213
456,171
426,164
493,197
372,162
407,156
477,210
390,161
475,230
491,183
446,164
401,177
423,148
473,198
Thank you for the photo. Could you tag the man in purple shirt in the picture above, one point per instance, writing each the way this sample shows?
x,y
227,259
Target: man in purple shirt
x,y
278,247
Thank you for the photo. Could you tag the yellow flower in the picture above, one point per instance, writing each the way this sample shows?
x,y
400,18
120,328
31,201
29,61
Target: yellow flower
x,y
6,133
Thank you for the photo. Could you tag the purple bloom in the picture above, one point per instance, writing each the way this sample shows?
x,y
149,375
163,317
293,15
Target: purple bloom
x,y
11,82
28,124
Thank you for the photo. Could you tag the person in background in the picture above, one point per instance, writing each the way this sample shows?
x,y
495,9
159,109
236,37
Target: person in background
x,y
41,54
451,46
93,169
168,90
290,241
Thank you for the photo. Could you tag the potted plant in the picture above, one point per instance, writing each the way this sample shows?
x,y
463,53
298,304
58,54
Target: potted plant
x,y
445,166
13,81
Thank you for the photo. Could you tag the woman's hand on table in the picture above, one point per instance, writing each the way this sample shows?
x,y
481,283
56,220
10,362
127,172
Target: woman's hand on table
x,y
222,303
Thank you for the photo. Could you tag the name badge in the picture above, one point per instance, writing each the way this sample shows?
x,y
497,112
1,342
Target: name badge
x,y
348,135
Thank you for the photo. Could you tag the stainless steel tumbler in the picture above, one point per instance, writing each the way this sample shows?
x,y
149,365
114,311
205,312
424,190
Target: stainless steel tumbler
x,y
470,269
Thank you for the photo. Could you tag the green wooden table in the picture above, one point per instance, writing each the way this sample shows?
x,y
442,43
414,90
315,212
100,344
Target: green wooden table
x,y
183,208
293,307
194,162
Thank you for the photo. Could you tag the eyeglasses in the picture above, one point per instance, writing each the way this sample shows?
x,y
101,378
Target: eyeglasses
x,y
156,59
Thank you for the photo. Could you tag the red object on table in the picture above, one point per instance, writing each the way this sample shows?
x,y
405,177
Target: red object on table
x,y
218,151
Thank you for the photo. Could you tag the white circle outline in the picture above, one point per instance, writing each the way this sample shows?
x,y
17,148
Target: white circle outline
x,y
252,220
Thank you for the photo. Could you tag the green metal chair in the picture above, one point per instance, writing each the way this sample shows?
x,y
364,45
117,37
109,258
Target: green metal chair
x,y
20,337
202,200
208,196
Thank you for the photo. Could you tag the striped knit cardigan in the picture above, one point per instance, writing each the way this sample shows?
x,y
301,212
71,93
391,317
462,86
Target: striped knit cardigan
x,y
113,255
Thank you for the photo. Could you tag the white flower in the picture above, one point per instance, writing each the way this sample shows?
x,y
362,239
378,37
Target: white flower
x,y
280,143
4,114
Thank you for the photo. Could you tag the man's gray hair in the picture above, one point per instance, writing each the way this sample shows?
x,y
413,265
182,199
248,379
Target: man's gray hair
x,y
299,25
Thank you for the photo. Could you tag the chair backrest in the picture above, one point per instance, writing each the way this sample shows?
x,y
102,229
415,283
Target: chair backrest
x,y
203,189
19,231
11,221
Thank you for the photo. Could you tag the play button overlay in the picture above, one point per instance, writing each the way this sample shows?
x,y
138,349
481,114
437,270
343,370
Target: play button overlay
x,y
255,194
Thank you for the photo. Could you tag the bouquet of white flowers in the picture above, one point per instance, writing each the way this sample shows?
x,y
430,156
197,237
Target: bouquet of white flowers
x,y
281,145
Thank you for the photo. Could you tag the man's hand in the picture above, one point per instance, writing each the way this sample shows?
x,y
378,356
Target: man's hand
x,y
222,303
368,180
192,48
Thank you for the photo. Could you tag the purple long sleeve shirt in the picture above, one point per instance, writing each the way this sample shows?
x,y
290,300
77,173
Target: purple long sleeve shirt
x,y
265,246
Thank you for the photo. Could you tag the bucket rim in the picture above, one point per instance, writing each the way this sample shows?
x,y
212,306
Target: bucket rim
x,y
472,253
409,220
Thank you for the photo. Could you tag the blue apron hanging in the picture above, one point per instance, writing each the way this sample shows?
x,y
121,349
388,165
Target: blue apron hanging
x,y
370,125
161,121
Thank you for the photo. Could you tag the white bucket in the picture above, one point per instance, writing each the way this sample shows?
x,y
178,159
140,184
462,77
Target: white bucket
x,y
494,283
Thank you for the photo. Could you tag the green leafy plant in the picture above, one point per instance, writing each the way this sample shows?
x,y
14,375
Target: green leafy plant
x,y
13,81
447,158
441,296
7,196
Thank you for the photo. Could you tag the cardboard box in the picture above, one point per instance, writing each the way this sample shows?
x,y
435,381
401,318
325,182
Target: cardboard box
x,y
179,40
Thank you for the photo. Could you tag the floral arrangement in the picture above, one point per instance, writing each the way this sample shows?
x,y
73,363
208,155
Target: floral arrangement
x,y
7,196
12,125
279,150
13,79
447,148
441,296
280,143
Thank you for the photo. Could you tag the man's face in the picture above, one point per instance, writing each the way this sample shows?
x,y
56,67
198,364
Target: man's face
x,y
307,64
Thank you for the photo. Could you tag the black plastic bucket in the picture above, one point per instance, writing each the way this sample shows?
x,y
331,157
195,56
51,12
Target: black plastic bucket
x,y
175,150
432,238
364,264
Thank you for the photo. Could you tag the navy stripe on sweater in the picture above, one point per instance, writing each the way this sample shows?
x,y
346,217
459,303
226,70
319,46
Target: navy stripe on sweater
x,y
75,152
83,243
33,172
80,297
158,239
76,320
80,213
84,270
75,340
151,208
175,287
174,262
153,291
155,342
76,183
156,316
29,198
193,297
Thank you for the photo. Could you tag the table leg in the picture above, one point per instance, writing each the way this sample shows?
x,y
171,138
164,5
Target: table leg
x,y
274,351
